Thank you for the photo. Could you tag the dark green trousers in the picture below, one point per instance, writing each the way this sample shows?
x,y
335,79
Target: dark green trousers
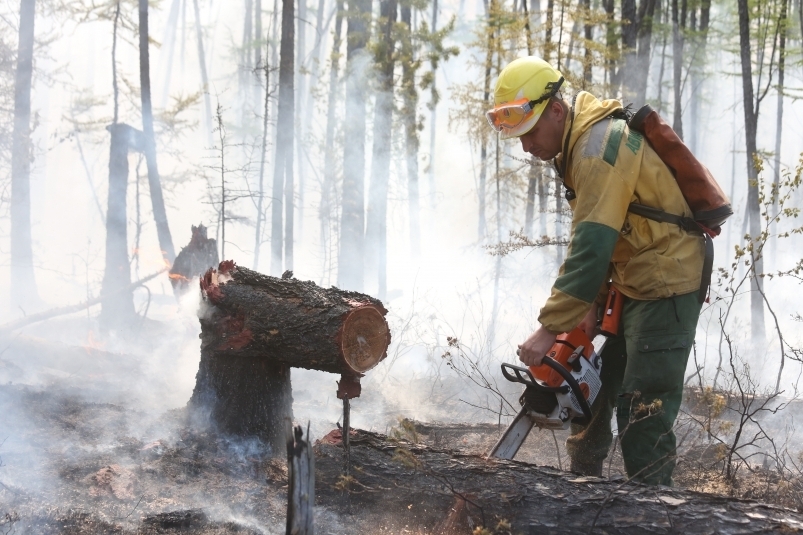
x,y
642,378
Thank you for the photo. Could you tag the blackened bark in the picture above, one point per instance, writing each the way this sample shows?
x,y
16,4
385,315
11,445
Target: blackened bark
x,y
300,483
193,260
118,308
157,199
255,327
283,161
409,119
350,269
376,236
23,283
750,128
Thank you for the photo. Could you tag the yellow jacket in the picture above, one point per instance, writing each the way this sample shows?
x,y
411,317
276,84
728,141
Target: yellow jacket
x,y
608,168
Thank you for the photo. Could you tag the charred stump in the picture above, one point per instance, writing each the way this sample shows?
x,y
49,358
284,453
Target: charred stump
x,y
194,260
254,328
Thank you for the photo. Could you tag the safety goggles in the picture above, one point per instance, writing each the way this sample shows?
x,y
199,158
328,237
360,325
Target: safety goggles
x,y
510,114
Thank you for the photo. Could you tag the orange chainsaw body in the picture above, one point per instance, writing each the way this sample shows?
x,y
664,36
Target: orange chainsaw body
x,y
564,347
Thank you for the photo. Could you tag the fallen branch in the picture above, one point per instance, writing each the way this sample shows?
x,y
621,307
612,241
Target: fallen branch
x,y
61,311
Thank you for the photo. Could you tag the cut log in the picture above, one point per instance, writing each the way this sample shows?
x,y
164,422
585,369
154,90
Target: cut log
x,y
254,328
293,322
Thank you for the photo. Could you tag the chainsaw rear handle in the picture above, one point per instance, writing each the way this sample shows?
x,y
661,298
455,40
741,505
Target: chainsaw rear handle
x,y
529,380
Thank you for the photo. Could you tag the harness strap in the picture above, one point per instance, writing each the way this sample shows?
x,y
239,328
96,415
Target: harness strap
x,y
689,225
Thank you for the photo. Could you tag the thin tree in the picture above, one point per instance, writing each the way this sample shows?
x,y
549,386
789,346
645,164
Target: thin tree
x,y
376,228
700,41
409,120
782,24
328,189
352,219
23,281
751,105
678,31
433,109
204,77
154,182
301,76
283,161
262,160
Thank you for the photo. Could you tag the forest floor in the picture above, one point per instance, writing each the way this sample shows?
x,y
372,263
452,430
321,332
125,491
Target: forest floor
x,y
70,465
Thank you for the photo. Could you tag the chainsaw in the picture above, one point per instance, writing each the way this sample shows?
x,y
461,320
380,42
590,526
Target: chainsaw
x,y
558,392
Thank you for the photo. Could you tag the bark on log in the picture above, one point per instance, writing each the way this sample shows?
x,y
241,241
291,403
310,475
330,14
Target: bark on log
x,y
293,322
401,485
255,328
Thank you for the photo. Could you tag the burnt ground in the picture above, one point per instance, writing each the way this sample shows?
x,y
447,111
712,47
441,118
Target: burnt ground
x,y
84,448
73,467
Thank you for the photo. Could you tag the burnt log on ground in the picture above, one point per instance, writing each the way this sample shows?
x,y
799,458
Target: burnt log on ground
x,y
254,328
399,485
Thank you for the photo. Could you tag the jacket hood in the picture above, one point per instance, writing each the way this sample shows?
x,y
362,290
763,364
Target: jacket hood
x,y
588,110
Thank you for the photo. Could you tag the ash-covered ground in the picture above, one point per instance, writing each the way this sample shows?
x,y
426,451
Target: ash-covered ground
x,y
94,438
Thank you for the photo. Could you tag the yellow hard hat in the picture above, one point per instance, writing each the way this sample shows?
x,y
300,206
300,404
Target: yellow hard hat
x,y
521,94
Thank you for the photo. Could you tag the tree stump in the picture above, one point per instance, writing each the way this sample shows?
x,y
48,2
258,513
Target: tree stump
x,y
254,328
193,261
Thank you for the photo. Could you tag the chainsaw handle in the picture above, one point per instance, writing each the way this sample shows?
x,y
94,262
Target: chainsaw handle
x,y
520,374
572,382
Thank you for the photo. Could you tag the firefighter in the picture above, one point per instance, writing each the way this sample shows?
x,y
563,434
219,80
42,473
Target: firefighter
x,y
656,266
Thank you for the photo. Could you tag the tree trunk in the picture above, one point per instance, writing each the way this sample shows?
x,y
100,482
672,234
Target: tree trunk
x,y
532,187
697,77
169,49
207,123
246,84
433,115
409,118
255,327
301,89
23,291
782,23
532,499
262,158
642,61
352,223
611,46
154,182
486,94
118,310
678,28
750,128
548,28
588,59
630,26
283,160
327,210
376,236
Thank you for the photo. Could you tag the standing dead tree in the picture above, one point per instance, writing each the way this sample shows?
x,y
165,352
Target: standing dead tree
x,y
23,282
154,181
283,161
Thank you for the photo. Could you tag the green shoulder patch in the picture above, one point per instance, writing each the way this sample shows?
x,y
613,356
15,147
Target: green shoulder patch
x,y
634,140
614,140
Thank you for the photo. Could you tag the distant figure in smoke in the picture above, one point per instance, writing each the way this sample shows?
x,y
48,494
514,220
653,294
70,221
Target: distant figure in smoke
x,y
193,260
656,266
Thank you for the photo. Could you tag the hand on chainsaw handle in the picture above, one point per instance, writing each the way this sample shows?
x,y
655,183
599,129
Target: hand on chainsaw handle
x,y
533,350
590,324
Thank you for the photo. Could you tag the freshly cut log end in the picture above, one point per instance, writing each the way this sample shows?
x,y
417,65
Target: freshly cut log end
x,y
365,337
293,322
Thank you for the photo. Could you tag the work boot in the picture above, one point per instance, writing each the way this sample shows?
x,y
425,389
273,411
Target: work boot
x,y
592,468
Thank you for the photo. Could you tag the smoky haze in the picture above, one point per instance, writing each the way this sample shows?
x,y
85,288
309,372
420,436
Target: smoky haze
x,y
99,385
